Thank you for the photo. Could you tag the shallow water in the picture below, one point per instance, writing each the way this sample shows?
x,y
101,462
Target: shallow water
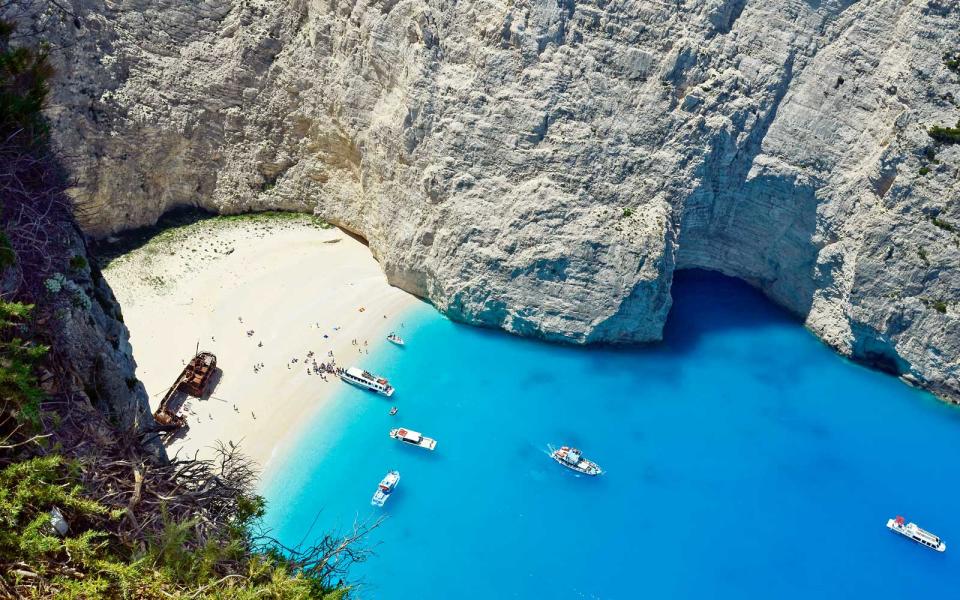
x,y
743,459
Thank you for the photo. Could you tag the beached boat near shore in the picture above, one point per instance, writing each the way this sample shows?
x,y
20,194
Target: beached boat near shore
x,y
366,380
193,380
573,459
414,438
920,536
386,487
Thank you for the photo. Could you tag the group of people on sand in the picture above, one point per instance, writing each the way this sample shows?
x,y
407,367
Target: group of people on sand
x,y
313,367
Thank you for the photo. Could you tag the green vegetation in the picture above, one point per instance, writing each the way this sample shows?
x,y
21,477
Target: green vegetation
x,y
627,212
275,216
19,360
924,170
938,305
943,224
923,255
945,135
952,61
78,263
88,561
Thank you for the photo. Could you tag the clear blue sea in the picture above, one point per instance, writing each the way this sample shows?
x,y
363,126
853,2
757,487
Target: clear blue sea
x,y
743,458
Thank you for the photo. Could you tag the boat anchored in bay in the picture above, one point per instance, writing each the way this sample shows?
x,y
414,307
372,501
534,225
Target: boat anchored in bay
x,y
396,339
386,487
921,536
414,438
366,380
573,459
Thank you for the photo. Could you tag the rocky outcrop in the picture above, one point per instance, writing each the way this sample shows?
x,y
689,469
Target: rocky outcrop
x,y
545,165
93,345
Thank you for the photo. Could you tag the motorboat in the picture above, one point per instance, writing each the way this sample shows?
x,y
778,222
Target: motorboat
x,y
573,459
366,380
414,438
386,487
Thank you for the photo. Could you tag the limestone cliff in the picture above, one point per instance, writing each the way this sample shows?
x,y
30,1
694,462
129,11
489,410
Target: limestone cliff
x,y
545,165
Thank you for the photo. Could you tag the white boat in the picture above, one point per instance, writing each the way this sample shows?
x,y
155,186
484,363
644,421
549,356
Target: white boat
x,y
361,378
386,487
414,438
921,536
573,459
396,339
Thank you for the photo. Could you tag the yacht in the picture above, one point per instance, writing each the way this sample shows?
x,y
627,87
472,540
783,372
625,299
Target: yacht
x,y
573,459
414,438
396,339
361,378
386,487
921,536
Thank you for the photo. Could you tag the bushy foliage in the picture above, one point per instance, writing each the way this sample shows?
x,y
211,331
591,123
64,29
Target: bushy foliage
x,y
20,392
952,61
945,135
87,563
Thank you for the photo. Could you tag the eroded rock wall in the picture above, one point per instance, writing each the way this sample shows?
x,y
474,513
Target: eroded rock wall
x,y
545,165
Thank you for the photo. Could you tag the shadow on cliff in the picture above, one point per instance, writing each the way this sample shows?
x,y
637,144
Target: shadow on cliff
x,y
106,250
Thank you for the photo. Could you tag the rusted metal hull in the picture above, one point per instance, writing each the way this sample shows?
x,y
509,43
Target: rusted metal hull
x,y
193,380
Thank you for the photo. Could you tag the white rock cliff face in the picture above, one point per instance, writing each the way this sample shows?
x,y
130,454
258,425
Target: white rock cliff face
x,y
545,165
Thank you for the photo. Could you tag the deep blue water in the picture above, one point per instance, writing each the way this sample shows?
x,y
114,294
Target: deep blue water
x,y
743,459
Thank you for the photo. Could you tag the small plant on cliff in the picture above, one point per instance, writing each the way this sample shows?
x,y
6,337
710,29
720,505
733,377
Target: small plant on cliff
x,y
945,135
943,224
938,305
952,60
78,263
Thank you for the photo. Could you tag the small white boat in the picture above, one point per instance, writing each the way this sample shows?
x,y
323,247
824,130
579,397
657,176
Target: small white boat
x,y
920,536
414,438
361,378
396,339
386,487
573,459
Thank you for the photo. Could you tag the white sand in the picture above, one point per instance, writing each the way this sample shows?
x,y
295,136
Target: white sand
x,y
283,277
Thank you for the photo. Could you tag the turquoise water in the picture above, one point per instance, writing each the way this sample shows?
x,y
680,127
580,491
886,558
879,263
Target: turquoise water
x,y
743,459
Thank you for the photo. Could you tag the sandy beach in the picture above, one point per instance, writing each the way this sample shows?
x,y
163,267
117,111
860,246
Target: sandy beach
x,y
298,287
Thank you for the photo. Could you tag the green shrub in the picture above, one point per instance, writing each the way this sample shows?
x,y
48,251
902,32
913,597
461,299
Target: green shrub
x,y
78,263
924,170
952,61
943,224
945,135
627,212
19,385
